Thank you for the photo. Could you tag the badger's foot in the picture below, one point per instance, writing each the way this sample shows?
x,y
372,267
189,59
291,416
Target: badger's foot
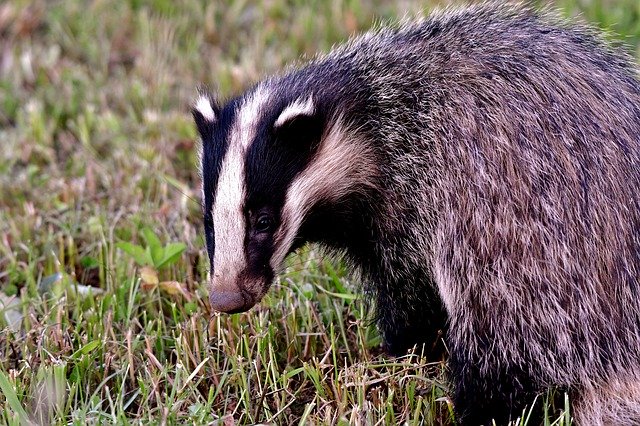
x,y
427,339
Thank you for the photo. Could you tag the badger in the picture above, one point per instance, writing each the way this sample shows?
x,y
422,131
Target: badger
x,y
480,168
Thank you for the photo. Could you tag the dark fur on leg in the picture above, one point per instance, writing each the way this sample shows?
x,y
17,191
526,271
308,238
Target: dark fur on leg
x,y
501,396
406,323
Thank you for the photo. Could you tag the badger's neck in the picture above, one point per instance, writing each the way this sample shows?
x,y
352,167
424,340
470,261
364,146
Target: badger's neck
x,y
386,228
383,228
347,226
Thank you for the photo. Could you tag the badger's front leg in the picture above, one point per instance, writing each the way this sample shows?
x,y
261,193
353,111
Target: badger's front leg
x,y
408,317
482,395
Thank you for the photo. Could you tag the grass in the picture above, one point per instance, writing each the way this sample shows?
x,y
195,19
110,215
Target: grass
x,y
97,149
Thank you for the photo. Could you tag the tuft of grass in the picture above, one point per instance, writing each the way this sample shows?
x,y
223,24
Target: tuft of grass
x,y
98,153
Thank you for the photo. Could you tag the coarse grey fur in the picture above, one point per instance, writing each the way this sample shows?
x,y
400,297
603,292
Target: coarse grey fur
x,y
505,208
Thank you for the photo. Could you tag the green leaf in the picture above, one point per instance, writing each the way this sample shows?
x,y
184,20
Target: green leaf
x,y
151,258
86,349
190,308
157,254
154,246
151,238
172,253
89,262
12,399
135,251
75,375
295,372
344,296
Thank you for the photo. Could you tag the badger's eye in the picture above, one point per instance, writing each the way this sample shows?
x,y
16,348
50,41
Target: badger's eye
x,y
263,224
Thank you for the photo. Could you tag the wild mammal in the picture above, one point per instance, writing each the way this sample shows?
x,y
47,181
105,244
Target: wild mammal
x,y
482,169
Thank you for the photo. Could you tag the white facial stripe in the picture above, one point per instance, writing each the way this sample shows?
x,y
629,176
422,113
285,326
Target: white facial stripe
x,y
229,258
299,107
203,106
342,166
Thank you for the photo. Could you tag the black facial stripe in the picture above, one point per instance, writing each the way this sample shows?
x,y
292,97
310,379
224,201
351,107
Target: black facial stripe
x,y
274,158
213,153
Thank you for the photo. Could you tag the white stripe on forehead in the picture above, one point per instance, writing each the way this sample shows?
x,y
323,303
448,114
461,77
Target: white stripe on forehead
x,y
343,165
296,109
228,218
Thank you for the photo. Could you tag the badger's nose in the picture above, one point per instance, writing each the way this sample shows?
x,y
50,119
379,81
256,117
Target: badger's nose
x,y
228,302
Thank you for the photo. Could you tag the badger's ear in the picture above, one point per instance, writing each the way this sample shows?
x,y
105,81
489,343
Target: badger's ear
x,y
300,108
205,112
299,121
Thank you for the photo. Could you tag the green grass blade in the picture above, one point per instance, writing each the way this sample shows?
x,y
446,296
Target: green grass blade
x,y
12,399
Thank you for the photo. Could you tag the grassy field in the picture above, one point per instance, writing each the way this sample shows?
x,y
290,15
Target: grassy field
x,y
103,313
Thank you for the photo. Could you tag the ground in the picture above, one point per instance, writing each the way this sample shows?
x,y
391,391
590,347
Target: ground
x,y
103,312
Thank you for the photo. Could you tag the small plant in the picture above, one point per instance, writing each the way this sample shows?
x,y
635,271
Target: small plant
x,y
154,257
154,254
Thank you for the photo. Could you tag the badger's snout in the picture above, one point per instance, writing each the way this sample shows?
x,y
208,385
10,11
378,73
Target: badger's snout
x,y
234,295
228,302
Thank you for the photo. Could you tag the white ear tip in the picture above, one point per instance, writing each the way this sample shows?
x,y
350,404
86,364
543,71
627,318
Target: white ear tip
x,y
297,108
203,106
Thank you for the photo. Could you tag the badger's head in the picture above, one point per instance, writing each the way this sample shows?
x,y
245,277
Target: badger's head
x,y
268,161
